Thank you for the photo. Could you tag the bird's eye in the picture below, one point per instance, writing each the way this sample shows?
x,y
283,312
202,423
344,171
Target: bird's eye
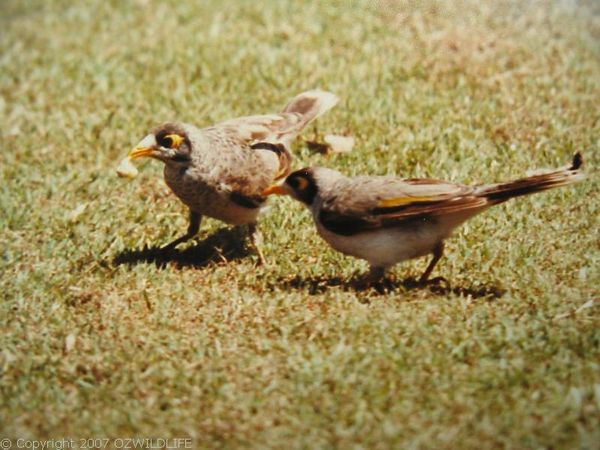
x,y
170,141
165,141
302,184
298,183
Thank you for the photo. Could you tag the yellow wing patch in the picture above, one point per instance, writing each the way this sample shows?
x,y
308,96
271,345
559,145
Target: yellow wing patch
x,y
402,201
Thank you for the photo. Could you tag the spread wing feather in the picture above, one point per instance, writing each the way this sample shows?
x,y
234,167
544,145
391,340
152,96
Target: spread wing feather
x,y
269,127
245,167
246,146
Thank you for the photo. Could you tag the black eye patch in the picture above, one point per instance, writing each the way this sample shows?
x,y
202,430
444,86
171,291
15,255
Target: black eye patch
x,y
304,186
299,183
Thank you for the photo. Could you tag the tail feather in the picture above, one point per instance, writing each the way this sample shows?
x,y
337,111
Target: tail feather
x,y
305,108
311,104
498,193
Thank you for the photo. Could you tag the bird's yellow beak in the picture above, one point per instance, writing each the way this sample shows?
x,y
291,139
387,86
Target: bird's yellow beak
x,y
139,152
276,189
145,147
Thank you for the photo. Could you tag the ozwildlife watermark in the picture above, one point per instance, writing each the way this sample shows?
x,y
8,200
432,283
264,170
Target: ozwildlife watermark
x,y
96,443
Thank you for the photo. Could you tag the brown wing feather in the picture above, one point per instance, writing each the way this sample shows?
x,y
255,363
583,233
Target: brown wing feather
x,y
268,127
372,203
284,126
350,224
235,165
284,156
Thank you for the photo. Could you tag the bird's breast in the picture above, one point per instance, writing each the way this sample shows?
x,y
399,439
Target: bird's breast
x,y
384,247
206,198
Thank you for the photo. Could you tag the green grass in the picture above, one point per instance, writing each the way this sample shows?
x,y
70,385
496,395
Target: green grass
x,y
287,356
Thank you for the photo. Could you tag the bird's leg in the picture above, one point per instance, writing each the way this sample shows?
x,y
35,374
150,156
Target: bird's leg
x,y
193,227
256,239
438,251
374,276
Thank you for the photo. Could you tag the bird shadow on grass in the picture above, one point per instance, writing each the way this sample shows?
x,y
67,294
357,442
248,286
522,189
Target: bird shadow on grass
x,y
437,286
221,247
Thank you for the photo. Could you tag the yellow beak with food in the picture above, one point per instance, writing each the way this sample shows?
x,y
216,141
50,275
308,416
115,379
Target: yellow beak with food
x,y
126,169
146,147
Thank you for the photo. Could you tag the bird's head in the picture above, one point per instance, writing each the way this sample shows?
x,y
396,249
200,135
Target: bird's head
x,y
307,184
169,143
300,185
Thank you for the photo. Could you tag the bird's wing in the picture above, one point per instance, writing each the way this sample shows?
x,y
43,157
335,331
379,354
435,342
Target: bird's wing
x,y
372,203
284,158
284,126
244,167
267,128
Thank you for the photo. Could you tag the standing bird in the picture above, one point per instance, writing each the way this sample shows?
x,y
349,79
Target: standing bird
x,y
386,220
221,171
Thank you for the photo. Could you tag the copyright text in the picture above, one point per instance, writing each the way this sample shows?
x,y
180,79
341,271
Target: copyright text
x,y
96,443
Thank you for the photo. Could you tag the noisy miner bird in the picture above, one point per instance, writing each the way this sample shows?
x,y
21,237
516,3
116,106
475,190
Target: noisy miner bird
x,y
221,171
386,220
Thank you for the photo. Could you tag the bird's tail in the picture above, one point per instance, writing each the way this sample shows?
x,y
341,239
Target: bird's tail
x,y
498,193
304,108
311,104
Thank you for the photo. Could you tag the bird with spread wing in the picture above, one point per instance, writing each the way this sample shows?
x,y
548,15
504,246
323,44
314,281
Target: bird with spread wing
x,y
221,171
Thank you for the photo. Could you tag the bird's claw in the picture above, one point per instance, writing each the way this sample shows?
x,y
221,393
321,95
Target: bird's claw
x,y
434,282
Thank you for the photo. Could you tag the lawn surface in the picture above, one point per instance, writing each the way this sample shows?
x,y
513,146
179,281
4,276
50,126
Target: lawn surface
x,y
99,339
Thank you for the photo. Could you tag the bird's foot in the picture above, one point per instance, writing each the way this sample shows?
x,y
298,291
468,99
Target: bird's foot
x,y
362,284
261,258
437,282
374,279
256,241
